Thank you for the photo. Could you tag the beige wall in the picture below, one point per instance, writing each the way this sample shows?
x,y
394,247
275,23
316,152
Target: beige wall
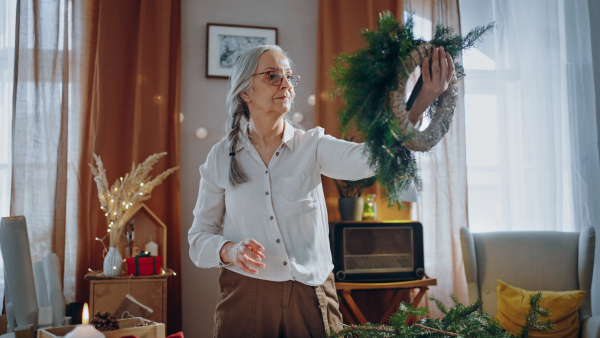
x,y
203,105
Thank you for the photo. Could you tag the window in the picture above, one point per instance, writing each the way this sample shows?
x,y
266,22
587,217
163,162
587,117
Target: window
x,y
7,55
519,158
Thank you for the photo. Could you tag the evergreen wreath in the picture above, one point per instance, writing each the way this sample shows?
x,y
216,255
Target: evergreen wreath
x,y
371,82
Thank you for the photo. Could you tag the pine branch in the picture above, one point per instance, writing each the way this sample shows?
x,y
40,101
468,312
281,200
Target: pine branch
x,y
446,333
460,321
475,36
354,328
533,317
439,305
453,44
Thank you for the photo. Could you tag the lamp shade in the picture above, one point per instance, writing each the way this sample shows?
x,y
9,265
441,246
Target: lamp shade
x,y
409,195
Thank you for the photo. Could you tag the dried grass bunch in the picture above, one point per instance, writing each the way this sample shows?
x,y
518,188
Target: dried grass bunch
x,y
119,201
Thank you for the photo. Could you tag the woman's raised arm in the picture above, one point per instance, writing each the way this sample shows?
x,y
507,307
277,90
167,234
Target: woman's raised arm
x,y
342,160
435,82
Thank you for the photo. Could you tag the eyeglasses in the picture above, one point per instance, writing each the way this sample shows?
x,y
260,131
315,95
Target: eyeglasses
x,y
276,78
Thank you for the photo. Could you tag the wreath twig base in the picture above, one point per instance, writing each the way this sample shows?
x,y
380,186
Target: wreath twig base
x,y
442,117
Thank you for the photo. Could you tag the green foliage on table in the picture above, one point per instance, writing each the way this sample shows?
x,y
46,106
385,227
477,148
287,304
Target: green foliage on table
x,y
365,78
353,188
459,321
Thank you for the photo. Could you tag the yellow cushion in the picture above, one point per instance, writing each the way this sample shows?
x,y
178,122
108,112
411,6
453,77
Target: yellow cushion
x,y
513,305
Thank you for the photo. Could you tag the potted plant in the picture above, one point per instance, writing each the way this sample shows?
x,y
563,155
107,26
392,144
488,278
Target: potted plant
x,y
351,204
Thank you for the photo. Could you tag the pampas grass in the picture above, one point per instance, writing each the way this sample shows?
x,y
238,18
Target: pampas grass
x,y
120,200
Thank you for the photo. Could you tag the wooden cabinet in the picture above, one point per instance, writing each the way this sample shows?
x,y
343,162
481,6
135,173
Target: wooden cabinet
x,y
107,294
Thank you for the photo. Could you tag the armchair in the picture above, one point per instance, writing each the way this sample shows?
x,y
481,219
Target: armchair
x,y
532,260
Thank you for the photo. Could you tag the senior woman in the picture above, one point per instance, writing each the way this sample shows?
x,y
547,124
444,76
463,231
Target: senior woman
x,y
262,188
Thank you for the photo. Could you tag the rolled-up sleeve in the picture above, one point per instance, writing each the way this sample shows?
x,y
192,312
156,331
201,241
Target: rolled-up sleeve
x,y
342,160
205,242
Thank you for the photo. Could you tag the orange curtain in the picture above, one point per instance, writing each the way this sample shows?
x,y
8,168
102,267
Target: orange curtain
x,y
130,111
443,202
340,23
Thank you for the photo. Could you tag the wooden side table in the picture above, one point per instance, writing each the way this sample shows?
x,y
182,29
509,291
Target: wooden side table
x,y
351,311
106,293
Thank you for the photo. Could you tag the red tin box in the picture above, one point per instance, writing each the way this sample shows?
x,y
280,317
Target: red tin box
x,y
143,265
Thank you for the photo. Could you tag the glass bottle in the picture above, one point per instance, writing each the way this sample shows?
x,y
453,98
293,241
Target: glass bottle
x,y
370,209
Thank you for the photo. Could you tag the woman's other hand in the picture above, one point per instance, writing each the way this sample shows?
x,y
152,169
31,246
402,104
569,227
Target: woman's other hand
x,y
244,255
435,82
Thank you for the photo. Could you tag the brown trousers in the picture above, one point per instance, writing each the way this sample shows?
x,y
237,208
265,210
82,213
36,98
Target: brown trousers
x,y
251,307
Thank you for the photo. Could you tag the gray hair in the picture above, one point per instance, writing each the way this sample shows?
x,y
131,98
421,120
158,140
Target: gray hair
x,y
240,82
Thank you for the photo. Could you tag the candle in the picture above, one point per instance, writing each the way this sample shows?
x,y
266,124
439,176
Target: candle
x,y
152,247
85,330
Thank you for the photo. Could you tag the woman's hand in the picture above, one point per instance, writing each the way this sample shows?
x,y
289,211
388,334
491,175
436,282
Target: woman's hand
x,y
244,254
435,82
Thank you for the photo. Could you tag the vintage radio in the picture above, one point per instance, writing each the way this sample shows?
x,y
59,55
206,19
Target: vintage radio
x,y
377,251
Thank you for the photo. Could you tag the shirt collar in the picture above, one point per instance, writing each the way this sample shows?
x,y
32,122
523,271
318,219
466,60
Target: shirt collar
x,y
288,137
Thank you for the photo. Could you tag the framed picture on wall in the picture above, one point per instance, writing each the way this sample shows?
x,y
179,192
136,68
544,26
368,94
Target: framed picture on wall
x,y
224,43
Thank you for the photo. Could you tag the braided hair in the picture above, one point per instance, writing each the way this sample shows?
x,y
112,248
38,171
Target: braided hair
x,y
240,82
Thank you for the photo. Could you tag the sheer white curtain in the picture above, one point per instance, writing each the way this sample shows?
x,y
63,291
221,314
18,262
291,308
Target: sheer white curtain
x,y
45,138
7,65
443,202
532,154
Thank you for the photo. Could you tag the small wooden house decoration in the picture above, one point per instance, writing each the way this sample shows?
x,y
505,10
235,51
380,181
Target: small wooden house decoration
x,y
147,226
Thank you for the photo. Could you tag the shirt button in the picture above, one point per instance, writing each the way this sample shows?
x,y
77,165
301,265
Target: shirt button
x,y
284,263
278,240
266,171
277,153
221,264
266,193
271,217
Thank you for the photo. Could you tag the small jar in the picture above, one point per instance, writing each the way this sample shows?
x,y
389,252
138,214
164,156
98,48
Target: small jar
x,y
370,209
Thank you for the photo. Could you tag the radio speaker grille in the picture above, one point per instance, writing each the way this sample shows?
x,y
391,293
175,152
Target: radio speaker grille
x,y
383,263
378,249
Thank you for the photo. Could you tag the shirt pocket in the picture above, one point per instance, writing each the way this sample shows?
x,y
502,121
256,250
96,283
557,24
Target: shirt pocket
x,y
300,193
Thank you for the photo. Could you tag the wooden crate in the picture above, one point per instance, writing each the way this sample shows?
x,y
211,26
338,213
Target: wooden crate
x,y
127,327
107,294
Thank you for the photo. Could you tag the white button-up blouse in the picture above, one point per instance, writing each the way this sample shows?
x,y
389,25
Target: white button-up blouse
x,y
282,206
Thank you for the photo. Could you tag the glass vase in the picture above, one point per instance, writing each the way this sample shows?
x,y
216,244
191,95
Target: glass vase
x,y
370,210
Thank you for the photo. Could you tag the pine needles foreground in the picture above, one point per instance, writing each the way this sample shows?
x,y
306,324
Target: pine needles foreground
x,y
459,321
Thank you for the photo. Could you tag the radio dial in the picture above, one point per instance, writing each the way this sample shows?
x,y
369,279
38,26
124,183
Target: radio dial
x,y
420,272
341,275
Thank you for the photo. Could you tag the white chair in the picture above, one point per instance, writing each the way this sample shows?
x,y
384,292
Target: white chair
x,y
532,260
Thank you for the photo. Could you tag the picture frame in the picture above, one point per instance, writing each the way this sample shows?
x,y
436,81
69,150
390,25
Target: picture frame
x,y
224,43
